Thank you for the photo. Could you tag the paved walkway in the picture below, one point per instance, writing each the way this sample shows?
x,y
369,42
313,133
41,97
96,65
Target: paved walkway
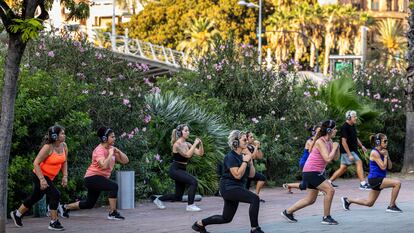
x,y
147,218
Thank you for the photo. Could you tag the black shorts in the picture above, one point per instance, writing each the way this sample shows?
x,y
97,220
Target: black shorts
x,y
375,183
313,179
258,177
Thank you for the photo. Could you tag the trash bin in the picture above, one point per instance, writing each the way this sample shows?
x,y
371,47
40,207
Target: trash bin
x,y
126,189
39,209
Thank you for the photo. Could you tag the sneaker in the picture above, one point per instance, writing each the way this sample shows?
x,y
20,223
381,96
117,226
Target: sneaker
x,y
17,220
333,185
394,209
345,203
285,186
263,201
328,220
64,213
321,193
159,203
364,187
199,228
288,217
115,215
193,208
56,226
257,230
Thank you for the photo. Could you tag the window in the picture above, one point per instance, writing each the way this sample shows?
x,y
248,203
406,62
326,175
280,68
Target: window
x,y
375,5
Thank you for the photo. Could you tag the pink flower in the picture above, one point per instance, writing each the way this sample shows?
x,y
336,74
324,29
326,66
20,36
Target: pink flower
x,y
144,129
208,77
394,100
377,96
306,94
51,54
123,135
156,90
157,157
108,79
130,136
125,101
254,119
136,130
147,119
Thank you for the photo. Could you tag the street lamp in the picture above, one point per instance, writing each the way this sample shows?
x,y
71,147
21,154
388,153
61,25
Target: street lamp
x,y
113,36
259,33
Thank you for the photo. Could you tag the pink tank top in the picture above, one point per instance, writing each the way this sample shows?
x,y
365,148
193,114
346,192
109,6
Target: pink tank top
x,y
315,162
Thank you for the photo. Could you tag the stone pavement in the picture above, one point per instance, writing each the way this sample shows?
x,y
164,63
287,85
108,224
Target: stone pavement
x,y
147,218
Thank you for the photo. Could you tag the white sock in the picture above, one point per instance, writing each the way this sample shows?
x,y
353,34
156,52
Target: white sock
x,y
18,214
330,181
53,221
363,182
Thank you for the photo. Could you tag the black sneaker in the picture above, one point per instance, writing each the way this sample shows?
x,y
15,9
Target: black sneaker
x,y
345,203
394,209
334,185
328,220
56,226
364,187
263,201
199,228
115,215
17,220
288,217
64,213
257,230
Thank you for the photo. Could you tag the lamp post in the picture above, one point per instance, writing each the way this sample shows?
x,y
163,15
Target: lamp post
x,y
307,37
113,26
259,33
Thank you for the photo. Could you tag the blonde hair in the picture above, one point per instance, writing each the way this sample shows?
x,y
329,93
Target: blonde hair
x,y
174,134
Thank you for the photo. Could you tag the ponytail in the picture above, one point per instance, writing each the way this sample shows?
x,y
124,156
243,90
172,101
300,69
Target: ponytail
x,y
326,127
373,139
173,136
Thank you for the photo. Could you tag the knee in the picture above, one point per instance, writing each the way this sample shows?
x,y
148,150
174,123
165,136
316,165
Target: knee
x,y
397,184
227,219
310,201
255,199
370,204
86,205
194,182
115,187
330,192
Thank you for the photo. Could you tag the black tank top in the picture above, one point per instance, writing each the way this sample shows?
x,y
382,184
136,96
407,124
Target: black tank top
x,y
179,158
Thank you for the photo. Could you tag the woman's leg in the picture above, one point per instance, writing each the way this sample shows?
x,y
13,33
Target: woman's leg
x,y
302,203
395,185
372,197
327,201
229,210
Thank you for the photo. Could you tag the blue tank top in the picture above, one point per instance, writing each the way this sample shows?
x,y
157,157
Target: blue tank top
x,y
304,157
374,170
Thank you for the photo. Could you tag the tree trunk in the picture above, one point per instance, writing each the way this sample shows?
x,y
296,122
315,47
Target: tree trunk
x,y
409,90
11,73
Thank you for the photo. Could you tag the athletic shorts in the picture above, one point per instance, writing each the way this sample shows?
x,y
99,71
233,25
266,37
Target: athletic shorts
x,y
375,183
258,177
313,179
345,160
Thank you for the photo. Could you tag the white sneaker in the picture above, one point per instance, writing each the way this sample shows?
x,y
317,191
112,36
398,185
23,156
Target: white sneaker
x,y
193,208
159,203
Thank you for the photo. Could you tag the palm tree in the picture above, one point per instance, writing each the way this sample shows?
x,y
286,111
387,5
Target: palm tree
x,y
409,136
169,110
199,38
391,39
278,40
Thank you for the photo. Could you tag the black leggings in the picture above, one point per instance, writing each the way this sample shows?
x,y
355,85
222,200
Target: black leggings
x,y
231,202
51,192
181,177
96,184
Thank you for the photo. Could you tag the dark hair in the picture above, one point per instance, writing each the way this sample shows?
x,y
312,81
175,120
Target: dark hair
x,y
313,128
326,127
103,133
52,134
376,139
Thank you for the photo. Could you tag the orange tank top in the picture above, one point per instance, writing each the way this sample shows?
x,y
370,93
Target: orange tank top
x,y
51,165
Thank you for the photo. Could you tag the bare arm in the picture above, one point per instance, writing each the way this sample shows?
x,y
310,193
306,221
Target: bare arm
x,y
183,149
376,157
120,156
238,172
326,155
200,150
105,162
65,168
361,146
41,156
346,147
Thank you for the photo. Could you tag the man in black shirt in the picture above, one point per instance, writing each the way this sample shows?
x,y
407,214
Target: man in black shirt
x,y
349,144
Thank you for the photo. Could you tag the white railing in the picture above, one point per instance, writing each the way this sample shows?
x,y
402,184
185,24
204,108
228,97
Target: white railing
x,y
145,50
